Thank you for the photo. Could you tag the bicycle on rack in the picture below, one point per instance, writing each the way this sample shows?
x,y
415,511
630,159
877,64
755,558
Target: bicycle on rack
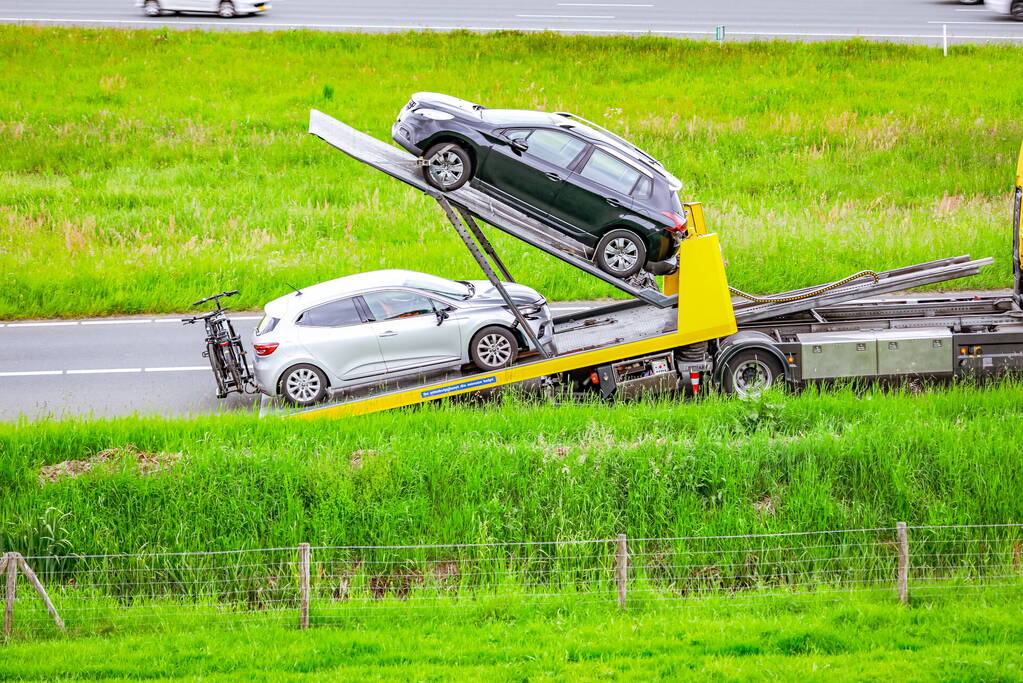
x,y
224,348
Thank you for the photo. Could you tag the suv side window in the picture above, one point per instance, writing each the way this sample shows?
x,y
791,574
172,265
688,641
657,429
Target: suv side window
x,y
610,172
560,149
394,304
334,314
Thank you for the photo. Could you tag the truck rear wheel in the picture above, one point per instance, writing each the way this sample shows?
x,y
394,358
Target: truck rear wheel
x,y
750,373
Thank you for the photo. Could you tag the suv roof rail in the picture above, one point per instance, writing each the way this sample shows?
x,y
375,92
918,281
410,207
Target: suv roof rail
x,y
601,128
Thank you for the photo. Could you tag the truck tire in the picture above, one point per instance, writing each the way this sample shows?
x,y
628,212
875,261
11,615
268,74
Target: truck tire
x,y
303,384
448,166
620,253
492,348
750,373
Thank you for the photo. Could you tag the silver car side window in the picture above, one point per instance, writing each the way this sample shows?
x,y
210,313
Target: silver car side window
x,y
394,304
341,313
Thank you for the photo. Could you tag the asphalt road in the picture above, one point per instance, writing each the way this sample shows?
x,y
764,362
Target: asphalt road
x,y
117,366
903,20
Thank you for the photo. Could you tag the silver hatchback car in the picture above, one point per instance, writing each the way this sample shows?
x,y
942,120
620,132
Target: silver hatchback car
x,y
373,327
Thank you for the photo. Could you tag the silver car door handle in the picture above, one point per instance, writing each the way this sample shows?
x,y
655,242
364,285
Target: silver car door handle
x,y
553,176
612,201
389,333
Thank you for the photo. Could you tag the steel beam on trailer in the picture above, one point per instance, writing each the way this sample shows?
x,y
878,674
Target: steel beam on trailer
x,y
910,277
484,241
488,270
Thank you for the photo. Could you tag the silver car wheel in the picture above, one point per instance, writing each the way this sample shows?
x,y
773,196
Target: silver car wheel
x,y
751,378
621,254
152,8
226,10
494,349
303,385
446,168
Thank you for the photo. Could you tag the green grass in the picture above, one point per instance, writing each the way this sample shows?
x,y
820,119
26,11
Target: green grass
x,y
962,639
142,169
523,472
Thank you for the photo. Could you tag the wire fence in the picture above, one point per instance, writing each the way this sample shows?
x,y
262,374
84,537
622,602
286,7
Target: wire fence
x,y
323,585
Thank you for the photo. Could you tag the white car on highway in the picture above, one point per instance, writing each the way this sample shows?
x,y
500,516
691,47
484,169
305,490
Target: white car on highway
x,y
373,327
1013,8
224,8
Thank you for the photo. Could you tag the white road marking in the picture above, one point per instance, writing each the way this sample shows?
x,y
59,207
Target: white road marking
x,y
598,4
103,371
981,23
564,16
52,323
31,373
114,322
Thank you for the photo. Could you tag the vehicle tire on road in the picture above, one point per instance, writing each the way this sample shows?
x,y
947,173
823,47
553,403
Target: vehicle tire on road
x,y
494,347
620,253
448,166
750,373
303,384
1016,11
226,9
151,8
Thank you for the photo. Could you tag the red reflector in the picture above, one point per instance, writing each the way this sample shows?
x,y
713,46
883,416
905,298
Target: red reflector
x,y
694,380
680,223
265,349
594,378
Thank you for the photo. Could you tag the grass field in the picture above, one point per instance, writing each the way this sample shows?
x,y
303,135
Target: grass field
x,y
961,639
140,170
521,472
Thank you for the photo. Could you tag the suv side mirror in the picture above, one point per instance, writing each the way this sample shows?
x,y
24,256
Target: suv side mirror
x,y
519,144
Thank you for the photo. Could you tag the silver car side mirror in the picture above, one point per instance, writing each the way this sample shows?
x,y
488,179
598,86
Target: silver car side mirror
x,y
442,315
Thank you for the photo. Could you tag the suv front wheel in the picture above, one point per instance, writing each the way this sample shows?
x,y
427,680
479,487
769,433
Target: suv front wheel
x,y
620,253
447,166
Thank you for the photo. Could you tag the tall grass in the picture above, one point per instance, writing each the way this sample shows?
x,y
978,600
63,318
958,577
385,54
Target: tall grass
x,y
454,474
141,168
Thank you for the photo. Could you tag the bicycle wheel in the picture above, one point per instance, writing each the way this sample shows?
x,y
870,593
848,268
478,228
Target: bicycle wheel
x,y
217,364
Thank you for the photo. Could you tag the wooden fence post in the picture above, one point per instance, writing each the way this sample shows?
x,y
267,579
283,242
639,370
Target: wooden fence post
x,y
303,573
34,580
622,568
12,587
903,577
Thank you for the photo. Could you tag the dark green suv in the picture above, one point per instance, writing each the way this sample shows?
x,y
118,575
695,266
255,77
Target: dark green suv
x,y
570,174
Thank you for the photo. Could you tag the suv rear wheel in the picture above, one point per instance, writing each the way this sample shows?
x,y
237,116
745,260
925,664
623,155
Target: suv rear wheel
x,y
493,348
620,253
448,166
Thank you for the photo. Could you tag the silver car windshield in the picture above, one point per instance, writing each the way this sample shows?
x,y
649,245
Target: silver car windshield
x,y
438,285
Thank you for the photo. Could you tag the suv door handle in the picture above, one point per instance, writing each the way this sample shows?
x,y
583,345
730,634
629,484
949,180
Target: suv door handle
x,y
389,333
612,201
553,176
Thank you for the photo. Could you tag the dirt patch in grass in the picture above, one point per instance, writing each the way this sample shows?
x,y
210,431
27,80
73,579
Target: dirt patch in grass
x,y
144,462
